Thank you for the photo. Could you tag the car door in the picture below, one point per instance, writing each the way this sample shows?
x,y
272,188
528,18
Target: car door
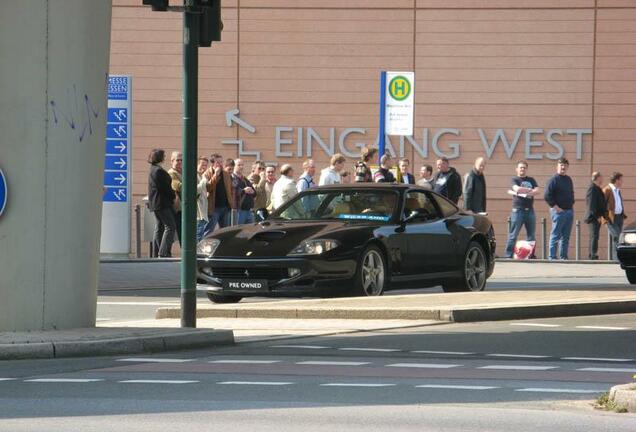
x,y
428,240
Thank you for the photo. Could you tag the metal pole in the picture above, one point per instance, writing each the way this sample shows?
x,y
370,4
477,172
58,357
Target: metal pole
x,y
610,252
544,243
138,228
191,19
577,252
382,131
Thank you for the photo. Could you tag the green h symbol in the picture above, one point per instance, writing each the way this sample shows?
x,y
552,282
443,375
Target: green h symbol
x,y
399,87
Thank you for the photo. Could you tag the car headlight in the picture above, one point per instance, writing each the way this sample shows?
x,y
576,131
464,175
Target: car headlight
x,y
314,247
627,238
207,246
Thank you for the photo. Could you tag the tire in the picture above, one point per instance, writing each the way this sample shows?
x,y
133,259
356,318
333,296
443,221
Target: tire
x,y
371,275
474,271
631,276
223,299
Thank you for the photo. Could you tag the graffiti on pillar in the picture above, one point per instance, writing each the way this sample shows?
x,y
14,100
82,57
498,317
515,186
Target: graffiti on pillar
x,y
75,111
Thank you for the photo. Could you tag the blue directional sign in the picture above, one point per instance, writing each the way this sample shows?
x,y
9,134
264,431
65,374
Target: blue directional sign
x,y
119,163
118,87
116,131
116,178
117,147
116,195
3,192
117,115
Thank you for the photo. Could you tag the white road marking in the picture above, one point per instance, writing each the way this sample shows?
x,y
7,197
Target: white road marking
x,y
158,381
103,319
442,352
600,369
457,387
602,328
64,380
332,363
300,346
121,303
424,365
8,379
245,361
356,385
263,383
154,360
597,359
528,356
518,367
556,390
535,325
370,349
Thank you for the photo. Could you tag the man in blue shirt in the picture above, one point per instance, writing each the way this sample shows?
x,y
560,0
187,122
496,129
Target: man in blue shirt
x,y
559,194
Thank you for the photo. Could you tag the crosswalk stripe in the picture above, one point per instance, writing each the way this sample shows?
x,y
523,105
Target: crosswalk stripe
x,y
442,352
600,369
518,367
332,363
154,360
370,349
456,387
147,381
245,361
64,380
263,383
597,359
534,325
356,385
602,328
518,356
423,365
557,390
300,346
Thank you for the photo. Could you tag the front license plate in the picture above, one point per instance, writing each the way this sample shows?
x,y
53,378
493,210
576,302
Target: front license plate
x,y
245,285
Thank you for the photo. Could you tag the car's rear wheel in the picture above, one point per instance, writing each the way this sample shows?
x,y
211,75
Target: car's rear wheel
x,y
631,275
370,278
223,299
474,271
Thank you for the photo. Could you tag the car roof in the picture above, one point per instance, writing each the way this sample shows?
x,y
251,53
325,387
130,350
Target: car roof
x,y
364,185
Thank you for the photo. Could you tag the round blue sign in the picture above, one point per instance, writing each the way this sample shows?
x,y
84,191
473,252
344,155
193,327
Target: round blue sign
x,y
3,192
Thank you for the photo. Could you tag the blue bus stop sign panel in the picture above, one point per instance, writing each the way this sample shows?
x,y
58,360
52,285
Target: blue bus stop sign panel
x,y
3,192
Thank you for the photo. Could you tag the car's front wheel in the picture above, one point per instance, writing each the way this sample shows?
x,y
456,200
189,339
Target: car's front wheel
x,y
223,299
474,271
631,275
370,278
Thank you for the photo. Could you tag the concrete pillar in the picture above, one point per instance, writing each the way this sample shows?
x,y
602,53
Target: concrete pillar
x,y
53,74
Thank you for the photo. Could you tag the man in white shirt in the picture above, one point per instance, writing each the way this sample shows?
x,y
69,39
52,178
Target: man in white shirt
x,y
404,175
331,174
284,188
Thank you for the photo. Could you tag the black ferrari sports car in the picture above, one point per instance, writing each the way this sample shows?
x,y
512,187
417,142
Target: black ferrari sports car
x,y
349,239
626,251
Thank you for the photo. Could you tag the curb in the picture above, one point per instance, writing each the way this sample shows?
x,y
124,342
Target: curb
x,y
624,396
501,313
117,346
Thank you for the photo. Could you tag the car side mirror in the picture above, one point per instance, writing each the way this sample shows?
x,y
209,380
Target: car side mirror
x,y
262,214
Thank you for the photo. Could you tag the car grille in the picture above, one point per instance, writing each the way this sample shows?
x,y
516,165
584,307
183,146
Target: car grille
x,y
269,273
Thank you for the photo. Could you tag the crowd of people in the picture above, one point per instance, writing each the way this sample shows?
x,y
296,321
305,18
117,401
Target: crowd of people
x,y
227,195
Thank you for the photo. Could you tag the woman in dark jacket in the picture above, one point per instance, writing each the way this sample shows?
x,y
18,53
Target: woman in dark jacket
x,y
161,198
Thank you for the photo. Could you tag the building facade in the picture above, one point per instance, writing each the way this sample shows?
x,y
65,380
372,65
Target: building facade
x,y
503,79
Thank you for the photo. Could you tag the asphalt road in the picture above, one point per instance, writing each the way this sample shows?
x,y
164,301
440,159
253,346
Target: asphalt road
x,y
500,376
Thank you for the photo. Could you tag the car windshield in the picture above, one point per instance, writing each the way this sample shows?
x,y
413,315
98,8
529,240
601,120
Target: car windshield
x,y
372,205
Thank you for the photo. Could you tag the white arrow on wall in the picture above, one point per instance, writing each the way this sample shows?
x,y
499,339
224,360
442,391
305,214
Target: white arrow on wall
x,y
121,162
232,117
121,178
121,147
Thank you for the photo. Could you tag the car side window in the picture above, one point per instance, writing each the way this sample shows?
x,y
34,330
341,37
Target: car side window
x,y
447,208
420,202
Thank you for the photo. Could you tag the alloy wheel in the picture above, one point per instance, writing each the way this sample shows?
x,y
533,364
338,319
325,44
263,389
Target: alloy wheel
x,y
475,269
373,273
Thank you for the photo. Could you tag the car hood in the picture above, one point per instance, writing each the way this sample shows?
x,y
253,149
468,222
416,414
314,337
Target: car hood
x,y
275,238
630,228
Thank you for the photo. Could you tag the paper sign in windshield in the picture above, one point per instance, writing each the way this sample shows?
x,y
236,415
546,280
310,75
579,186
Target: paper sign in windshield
x,y
364,217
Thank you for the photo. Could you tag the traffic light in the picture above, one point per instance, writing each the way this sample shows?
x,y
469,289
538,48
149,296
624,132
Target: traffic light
x,y
157,5
211,23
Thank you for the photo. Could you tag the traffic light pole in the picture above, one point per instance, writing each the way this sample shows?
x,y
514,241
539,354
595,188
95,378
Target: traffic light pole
x,y
191,23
